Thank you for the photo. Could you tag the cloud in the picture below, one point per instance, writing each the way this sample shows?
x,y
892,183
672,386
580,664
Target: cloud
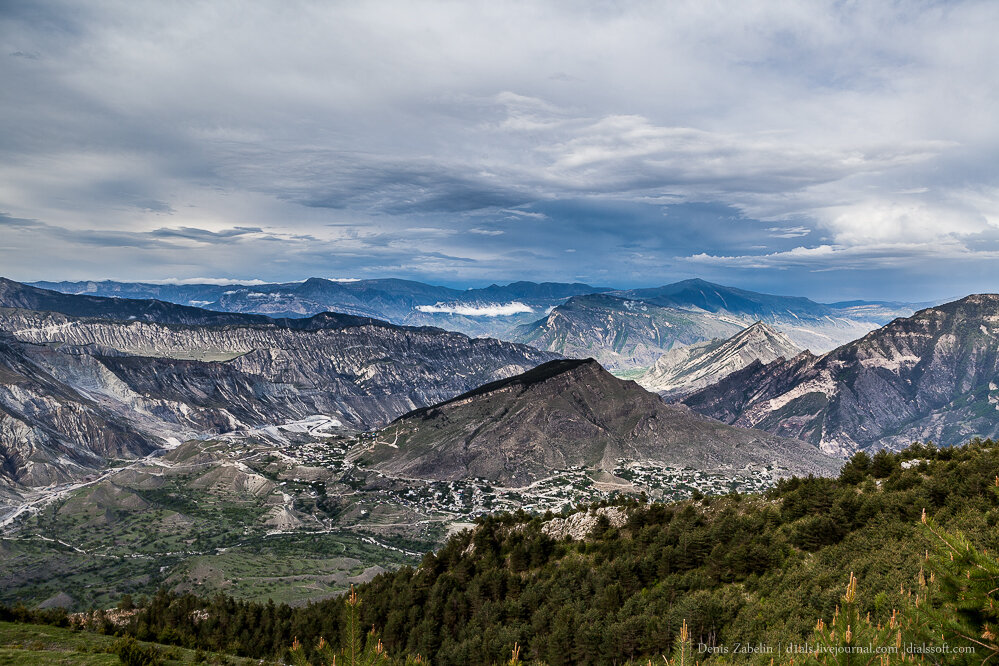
x,y
852,257
221,282
205,235
788,232
534,215
487,310
818,124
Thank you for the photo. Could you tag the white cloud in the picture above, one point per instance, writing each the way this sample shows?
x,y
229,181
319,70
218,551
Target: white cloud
x,y
486,232
221,282
525,213
788,232
825,256
484,310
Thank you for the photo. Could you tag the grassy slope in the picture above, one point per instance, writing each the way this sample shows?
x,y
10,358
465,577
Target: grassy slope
x,y
30,644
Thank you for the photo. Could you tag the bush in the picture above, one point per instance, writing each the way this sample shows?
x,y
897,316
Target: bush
x,y
133,653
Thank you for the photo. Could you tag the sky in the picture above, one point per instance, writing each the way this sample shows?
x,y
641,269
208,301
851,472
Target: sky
x,y
830,149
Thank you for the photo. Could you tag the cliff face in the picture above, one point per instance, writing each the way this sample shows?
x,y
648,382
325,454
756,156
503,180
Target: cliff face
x,y
50,431
932,376
567,414
684,370
77,390
365,374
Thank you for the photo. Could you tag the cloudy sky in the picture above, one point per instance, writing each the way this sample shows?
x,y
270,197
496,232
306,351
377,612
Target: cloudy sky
x,y
827,149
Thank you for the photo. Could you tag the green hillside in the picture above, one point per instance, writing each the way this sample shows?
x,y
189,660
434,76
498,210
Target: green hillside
x,y
736,569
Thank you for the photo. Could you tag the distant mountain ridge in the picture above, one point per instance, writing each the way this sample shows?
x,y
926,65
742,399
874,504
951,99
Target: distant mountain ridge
x,y
401,302
682,371
504,311
932,376
710,297
569,413
610,326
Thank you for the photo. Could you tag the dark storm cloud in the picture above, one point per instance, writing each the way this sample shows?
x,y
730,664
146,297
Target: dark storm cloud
x,y
482,141
401,188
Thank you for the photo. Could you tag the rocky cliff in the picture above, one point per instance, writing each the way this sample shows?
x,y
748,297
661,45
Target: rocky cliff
x,y
684,370
932,376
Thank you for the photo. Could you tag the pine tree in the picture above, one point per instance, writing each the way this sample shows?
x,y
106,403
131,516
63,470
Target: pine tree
x,y
683,648
854,640
960,606
355,651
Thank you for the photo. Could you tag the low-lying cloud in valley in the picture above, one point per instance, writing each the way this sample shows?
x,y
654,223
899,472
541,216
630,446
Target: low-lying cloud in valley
x,y
483,310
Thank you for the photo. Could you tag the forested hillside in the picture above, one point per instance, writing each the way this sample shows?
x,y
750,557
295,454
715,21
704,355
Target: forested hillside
x,y
617,582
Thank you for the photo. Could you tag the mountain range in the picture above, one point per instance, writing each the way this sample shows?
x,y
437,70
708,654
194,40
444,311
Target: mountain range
x,y
620,333
630,329
490,311
614,329
932,376
136,375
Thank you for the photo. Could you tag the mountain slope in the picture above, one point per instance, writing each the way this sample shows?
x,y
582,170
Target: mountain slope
x,y
630,329
18,295
155,381
620,333
683,370
50,431
567,414
711,297
933,376
808,324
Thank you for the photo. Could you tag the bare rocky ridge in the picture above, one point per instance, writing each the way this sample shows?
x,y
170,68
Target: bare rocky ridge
x,y
49,431
566,414
626,330
684,370
932,376
99,387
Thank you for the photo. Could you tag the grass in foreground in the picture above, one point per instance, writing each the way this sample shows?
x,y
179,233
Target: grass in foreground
x,y
44,645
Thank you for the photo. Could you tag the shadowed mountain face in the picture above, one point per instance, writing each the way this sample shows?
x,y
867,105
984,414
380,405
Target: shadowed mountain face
x,y
150,381
682,371
566,414
932,376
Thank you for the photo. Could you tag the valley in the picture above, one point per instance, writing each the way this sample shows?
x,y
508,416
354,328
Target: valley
x,y
283,515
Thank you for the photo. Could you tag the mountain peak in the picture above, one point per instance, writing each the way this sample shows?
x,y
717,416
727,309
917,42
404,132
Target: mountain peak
x,y
537,375
567,414
681,371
